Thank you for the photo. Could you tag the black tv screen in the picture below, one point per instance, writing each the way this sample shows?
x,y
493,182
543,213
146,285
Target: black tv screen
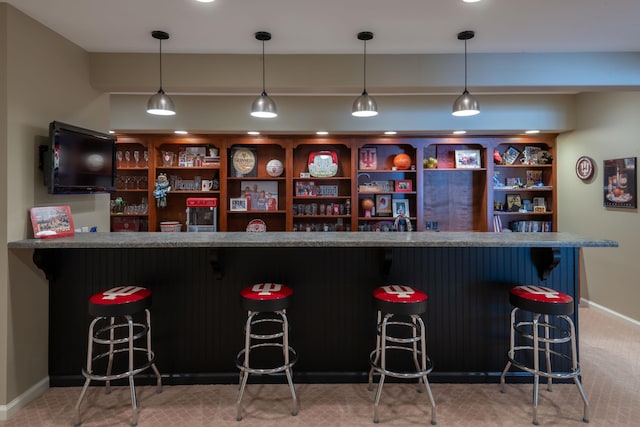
x,y
80,161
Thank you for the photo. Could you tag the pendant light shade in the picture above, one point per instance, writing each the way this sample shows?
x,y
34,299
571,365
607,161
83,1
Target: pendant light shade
x,y
263,106
364,105
466,104
160,104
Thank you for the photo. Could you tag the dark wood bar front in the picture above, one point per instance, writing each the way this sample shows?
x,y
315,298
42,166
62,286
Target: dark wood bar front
x,y
196,279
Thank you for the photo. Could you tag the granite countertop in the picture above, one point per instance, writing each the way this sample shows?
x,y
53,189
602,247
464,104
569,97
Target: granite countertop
x,y
315,239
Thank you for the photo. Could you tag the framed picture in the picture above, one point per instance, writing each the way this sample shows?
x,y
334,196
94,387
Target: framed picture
x,y
534,177
400,207
368,159
620,182
327,190
511,155
514,202
305,189
539,201
383,204
238,204
384,185
51,221
262,195
404,185
539,209
469,159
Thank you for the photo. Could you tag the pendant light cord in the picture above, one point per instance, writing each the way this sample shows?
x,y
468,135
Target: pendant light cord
x,y
465,66
161,65
364,84
264,92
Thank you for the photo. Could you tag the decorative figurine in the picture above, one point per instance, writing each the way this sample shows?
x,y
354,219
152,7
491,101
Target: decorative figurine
x,y
161,190
402,222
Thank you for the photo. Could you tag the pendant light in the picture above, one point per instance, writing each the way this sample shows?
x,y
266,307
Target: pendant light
x,y
263,106
466,104
160,104
364,105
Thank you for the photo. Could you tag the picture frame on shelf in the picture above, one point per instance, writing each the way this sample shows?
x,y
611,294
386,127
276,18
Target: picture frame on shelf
x,y
539,201
305,189
514,202
467,159
511,155
400,207
244,162
385,186
327,190
368,158
383,205
263,195
51,221
403,185
238,204
534,178
539,209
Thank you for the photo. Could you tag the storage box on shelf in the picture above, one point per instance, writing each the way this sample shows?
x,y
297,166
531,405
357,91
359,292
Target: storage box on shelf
x,y
130,202
455,176
256,185
524,186
387,187
321,187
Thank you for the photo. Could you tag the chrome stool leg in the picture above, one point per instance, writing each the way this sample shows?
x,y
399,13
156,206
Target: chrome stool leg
x,y
87,381
244,374
383,365
288,371
575,367
150,355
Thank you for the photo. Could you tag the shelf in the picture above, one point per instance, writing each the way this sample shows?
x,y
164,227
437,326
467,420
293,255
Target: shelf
x,y
361,171
454,169
301,198
254,178
258,212
131,190
128,215
187,167
320,216
133,168
524,166
193,192
545,188
382,218
522,213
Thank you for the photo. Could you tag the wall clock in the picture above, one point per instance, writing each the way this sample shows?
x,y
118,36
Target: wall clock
x,y
584,168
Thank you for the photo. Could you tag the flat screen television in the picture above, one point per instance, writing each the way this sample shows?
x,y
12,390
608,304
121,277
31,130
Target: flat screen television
x,y
78,160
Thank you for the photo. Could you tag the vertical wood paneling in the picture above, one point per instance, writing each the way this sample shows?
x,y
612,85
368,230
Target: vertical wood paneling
x,y
198,321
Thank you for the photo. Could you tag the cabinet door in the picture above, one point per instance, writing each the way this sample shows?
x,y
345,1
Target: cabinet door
x,y
455,176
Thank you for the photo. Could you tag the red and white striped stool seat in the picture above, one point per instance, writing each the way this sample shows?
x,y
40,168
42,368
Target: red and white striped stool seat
x,y
540,299
400,299
266,297
120,301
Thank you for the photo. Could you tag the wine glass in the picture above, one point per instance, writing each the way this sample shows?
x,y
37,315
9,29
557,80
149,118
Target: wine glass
x,y
136,157
127,157
146,159
119,158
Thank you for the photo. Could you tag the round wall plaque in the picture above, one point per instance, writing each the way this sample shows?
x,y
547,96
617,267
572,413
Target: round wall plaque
x,y
244,160
584,168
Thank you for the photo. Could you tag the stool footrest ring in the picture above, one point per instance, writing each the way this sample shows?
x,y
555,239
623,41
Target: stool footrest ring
x,y
293,358
414,374
126,374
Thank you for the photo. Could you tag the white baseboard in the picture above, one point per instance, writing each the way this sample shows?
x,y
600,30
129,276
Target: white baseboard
x,y
604,309
6,411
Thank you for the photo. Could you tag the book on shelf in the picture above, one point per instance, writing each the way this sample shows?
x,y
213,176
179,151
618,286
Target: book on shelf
x,y
531,226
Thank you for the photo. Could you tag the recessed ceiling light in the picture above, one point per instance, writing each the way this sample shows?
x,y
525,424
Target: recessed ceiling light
x,y
322,132
459,132
253,132
390,132
466,1
211,1
112,131
532,131
180,132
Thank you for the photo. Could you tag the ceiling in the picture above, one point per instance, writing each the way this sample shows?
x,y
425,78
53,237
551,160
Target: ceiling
x,y
330,26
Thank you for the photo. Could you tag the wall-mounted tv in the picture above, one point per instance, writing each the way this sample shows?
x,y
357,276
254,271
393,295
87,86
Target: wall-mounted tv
x,y
78,160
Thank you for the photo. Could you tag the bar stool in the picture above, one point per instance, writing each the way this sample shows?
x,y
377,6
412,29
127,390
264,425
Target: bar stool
x,y
267,325
542,301
407,304
113,325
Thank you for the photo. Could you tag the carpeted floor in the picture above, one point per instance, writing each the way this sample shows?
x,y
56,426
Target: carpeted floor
x,y
610,353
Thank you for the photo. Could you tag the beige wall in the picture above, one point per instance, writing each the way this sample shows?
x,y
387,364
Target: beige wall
x,y
607,127
45,78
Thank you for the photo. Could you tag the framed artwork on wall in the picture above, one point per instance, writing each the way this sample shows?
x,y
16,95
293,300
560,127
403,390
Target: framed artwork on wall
x,y
620,182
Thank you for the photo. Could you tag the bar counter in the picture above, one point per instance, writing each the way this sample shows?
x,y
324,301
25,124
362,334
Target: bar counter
x,y
196,279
